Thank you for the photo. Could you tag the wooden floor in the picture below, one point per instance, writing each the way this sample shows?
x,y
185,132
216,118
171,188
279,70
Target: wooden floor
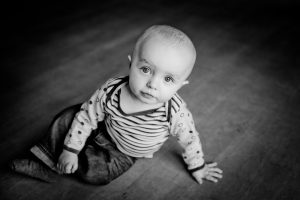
x,y
243,93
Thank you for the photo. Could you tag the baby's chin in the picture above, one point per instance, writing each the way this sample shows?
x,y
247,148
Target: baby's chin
x,y
151,100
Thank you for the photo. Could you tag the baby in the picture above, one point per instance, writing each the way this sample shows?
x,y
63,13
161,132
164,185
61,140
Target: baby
x,y
128,117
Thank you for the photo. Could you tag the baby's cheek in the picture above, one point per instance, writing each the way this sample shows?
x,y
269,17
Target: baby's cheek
x,y
167,94
134,89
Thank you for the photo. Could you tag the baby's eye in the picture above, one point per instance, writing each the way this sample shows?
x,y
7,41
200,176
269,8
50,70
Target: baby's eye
x,y
169,79
145,70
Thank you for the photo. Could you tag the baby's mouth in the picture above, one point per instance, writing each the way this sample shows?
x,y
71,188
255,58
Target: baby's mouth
x,y
147,95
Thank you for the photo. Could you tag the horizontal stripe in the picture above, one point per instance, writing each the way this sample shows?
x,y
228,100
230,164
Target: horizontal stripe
x,y
140,134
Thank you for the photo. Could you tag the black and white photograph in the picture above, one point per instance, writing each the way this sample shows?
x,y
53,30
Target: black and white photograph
x,y
150,100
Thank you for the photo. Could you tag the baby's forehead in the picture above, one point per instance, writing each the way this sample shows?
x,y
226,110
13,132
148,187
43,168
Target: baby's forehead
x,y
174,58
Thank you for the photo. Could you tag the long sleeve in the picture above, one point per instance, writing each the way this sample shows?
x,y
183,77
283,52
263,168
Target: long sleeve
x,y
85,121
183,128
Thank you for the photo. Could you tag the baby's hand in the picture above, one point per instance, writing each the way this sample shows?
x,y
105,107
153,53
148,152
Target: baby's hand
x,y
67,162
209,172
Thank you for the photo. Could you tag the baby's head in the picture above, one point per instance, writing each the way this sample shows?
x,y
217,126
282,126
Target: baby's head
x,y
162,60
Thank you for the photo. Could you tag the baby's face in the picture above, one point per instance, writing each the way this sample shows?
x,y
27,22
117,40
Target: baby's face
x,y
159,69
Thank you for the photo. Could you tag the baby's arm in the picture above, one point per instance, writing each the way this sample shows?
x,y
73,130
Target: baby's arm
x,y
184,129
85,121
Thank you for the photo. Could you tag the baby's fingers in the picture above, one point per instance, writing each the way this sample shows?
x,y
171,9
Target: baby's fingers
x,y
217,170
211,178
59,166
212,165
214,174
199,180
68,168
74,168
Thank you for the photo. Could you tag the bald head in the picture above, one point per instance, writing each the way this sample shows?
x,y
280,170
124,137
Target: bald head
x,y
170,36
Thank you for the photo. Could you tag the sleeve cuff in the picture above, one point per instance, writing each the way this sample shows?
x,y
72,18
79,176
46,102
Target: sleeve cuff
x,y
197,168
71,149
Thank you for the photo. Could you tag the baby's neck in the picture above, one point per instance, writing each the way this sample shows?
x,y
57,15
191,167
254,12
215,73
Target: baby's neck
x,y
130,104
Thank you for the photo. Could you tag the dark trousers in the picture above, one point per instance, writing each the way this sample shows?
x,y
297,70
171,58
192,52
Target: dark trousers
x,y
99,162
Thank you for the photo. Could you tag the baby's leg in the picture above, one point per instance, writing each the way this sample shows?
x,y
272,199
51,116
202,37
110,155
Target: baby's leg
x,y
49,149
45,153
101,162
33,167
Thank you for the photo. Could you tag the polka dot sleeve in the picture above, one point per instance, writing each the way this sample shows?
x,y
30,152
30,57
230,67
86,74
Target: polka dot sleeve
x,y
86,120
183,128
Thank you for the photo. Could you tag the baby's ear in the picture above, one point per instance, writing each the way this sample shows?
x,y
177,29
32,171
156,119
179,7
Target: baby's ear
x,y
185,82
129,58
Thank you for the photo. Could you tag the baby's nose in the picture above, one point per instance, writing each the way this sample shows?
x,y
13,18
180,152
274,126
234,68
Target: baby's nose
x,y
153,83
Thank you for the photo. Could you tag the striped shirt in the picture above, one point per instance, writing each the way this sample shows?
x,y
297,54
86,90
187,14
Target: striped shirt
x,y
137,134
